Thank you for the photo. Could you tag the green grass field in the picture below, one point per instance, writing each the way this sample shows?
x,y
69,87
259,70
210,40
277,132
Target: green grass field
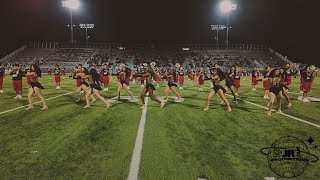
x,y
180,141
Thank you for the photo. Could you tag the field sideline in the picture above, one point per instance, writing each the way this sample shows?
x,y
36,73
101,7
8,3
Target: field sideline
x,y
179,142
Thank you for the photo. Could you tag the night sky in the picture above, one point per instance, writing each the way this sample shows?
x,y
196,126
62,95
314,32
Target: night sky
x,y
290,26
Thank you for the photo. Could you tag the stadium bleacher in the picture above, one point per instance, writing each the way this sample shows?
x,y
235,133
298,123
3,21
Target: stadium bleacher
x,y
95,57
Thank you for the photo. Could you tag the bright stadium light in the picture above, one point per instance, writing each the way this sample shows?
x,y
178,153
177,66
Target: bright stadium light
x,y
226,7
72,5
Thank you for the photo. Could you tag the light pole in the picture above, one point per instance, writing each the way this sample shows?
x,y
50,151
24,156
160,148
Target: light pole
x,y
87,26
226,7
72,5
217,27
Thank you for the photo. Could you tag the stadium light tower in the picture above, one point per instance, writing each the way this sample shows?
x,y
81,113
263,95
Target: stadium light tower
x,y
226,7
72,5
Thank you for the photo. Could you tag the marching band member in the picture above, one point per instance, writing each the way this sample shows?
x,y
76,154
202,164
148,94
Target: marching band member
x,y
143,71
63,72
202,75
191,75
216,77
16,80
57,75
254,80
150,75
105,76
49,72
308,77
236,79
34,74
2,71
181,77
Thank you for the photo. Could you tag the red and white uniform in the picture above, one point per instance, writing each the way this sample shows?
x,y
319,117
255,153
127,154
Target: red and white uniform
x,y
105,75
236,79
181,76
57,75
201,77
255,76
17,80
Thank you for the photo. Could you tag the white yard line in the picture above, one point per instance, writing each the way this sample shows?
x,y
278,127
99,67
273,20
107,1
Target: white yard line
x,y
34,103
284,114
135,160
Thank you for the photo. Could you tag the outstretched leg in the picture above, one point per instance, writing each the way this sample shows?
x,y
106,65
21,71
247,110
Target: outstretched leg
x,y
221,94
30,106
143,95
174,90
38,92
96,92
211,93
271,102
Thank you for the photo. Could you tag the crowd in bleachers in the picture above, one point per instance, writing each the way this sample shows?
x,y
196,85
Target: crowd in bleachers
x,y
69,57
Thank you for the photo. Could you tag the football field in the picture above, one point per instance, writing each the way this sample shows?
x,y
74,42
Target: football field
x,y
180,141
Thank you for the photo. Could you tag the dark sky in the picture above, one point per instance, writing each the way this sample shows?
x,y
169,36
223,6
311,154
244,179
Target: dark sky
x,y
291,26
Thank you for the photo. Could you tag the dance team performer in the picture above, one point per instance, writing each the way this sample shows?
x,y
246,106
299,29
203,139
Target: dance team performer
x,y
216,77
171,76
124,76
94,80
36,87
150,75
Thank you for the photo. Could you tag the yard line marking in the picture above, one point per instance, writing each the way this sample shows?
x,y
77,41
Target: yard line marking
x,y
287,115
135,160
34,103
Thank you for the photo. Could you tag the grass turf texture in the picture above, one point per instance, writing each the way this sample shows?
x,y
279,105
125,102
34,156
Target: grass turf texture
x,y
180,141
